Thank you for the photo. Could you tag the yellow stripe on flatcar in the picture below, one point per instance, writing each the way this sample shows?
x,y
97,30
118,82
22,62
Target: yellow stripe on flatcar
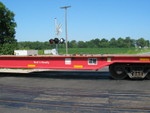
x,y
144,59
78,66
31,65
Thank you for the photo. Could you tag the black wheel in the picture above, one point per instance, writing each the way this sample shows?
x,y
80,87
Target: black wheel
x,y
148,76
117,71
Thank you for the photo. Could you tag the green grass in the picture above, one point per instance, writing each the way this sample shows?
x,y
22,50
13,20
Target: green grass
x,y
41,52
138,51
100,51
95,50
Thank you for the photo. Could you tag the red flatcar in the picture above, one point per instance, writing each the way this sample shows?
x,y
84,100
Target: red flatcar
x,y
120,66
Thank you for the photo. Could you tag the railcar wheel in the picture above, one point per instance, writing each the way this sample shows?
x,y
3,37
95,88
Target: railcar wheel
x,y
148,76
117,71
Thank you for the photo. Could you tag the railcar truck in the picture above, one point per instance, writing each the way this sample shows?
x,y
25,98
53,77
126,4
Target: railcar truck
x,y
120,66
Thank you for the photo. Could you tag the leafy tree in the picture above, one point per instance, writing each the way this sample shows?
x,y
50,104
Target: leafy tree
x,y
113,42
104,43
73,44
128,42
141,42
81,44
93,43
147,43
121,43
96,42
7,30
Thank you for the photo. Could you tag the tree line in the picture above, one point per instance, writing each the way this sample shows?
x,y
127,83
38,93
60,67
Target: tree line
x,y
94,43
112,43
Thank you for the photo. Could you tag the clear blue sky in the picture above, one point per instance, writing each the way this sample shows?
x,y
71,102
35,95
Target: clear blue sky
x,y
87,19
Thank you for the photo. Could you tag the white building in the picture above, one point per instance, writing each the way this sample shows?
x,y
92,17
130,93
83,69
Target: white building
x,y
25,52
52,51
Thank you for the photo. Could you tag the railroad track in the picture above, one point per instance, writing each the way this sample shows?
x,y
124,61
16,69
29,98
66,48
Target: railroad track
x,y
73,106
66,99
60,96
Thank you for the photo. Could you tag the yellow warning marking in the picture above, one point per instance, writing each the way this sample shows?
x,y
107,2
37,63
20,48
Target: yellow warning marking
x,y
144,59
78,66
31,65
108,59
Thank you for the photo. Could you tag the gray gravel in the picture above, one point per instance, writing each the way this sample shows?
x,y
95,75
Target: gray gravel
x,y
72,92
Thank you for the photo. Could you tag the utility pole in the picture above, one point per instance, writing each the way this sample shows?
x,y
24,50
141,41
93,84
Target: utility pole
x,y
66,27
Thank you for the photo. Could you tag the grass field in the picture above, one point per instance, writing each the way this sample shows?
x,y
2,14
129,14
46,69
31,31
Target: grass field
x,y
100,51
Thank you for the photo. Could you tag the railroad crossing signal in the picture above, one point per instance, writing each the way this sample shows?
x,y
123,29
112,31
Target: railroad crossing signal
x,y
57,41
51,41
62,41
